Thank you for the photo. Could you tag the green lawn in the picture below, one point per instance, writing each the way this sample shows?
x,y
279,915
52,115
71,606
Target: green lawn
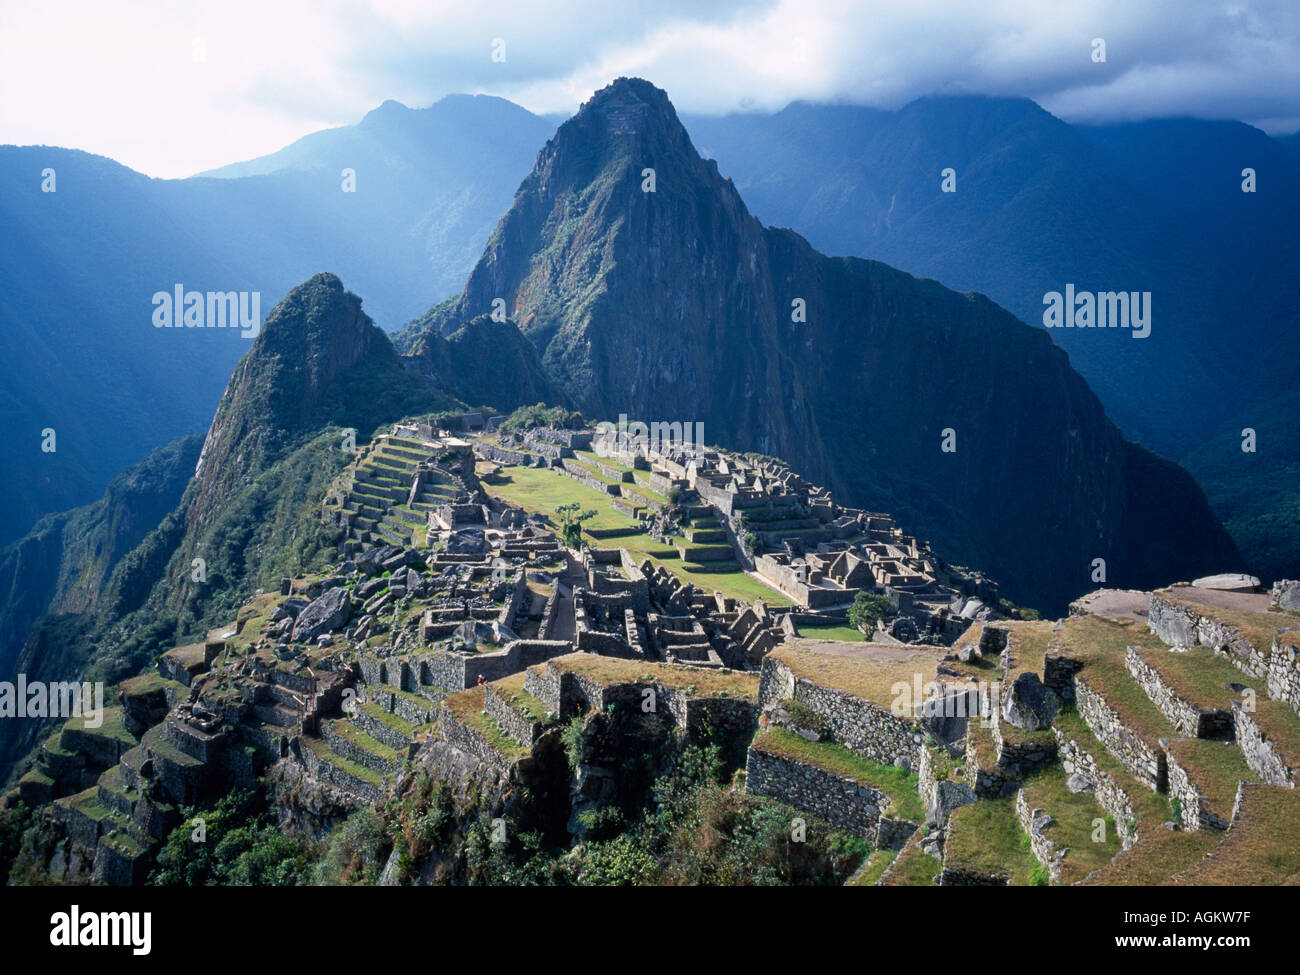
x,y
841,634
542,490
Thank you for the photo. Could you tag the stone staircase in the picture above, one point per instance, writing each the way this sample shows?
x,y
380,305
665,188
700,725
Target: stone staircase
x,y
373,497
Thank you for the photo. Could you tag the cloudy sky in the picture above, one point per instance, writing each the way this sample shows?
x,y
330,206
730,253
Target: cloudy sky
x,y
172,91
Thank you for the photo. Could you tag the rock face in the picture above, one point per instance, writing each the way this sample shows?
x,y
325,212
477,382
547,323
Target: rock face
x,y
1028,704
325,614
944,798
1286,595
677,304
1228,582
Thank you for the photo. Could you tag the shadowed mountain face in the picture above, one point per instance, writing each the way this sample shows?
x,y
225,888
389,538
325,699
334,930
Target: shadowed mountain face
x,y
1151,206
677,304
79,267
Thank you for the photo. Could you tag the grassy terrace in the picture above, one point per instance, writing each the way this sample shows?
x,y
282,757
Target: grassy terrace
x,y
912,868
1201,676
986,838
868,875
1254,851
396,722
467,708
1214,768
149,682
981,740
87,803
356,736
1074,815
512,689
1027,643
112,726
697,681
1100,645
1159,852
899,785
866,670
842,634
322,751
542,490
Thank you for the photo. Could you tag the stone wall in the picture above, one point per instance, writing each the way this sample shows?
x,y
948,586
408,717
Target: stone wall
x,y
454,671
838,800
509,720
340,744
1037,823
1183,626
1284,668
566,693
510,458
1110,794
1189,720
1058,674
1260,754
1146,763
1196,814
470,741
855,723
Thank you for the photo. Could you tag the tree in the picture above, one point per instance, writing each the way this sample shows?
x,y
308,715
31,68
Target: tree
x,y
867,611
571,520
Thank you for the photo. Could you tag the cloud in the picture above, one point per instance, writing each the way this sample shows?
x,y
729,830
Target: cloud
x,y
172,91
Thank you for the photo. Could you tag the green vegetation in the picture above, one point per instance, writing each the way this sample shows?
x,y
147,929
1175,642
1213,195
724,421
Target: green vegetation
x,y
840,634
236,844
571,519
867,611
899,784
986,838
541,415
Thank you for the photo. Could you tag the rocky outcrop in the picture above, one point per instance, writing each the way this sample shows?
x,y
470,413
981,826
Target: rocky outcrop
x,y
325,614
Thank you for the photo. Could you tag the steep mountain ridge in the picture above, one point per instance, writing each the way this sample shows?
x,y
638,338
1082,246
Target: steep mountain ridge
x,y
677,304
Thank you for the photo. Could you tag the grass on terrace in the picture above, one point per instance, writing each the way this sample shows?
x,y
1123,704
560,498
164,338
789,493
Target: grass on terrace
x,y
1255,850
543,491
111,725
1100,644
986,838
1027,643
1201,676
867,670
699,681
512,689
365,742
1214,768
322,751
898,784
394,721
467,708
830,631
1074,826
912,868
1159,852
868,875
